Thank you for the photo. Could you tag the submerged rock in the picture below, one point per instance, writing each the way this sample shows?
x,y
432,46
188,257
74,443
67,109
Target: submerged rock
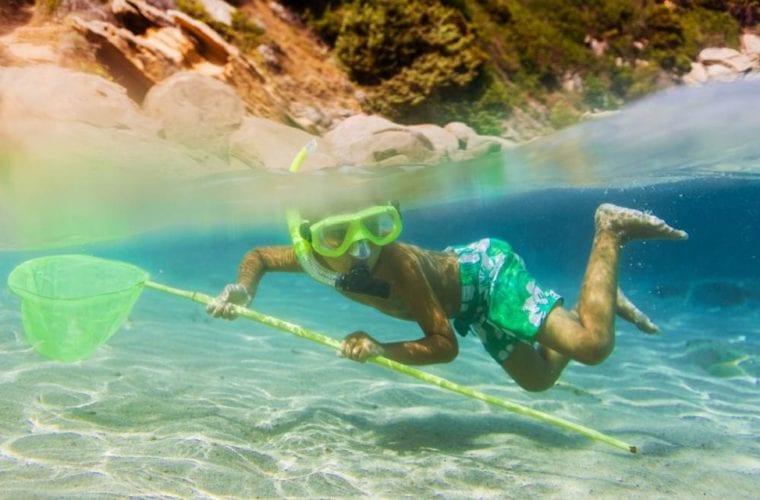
x,y
719,294
722,359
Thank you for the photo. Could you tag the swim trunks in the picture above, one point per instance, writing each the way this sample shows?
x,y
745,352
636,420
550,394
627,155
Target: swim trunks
x,y
501,302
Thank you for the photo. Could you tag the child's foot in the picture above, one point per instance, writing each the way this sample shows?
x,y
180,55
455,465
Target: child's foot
x,y
629,312
629,224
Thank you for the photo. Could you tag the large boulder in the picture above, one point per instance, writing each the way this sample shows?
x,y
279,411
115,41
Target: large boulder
x,y
372,141
750,44
195,110
463,133
262,143
445,144
721,64
78,161
367,141
473,145
51,93
730,58
697,76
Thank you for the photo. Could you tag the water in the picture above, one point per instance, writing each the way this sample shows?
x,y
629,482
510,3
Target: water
x,y
180,405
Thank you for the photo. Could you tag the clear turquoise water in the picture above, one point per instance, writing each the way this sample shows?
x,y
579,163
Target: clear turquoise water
x,y
180,405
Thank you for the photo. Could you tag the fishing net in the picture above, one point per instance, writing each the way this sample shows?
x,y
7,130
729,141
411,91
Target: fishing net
x,y
73,303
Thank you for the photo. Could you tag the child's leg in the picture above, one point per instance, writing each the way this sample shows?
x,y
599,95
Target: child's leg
x,y
537,369
589,337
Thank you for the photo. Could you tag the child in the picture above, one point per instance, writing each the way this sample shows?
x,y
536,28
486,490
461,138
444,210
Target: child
x,y
484,287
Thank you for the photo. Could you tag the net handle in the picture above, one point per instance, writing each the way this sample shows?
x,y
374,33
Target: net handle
x,y
429,378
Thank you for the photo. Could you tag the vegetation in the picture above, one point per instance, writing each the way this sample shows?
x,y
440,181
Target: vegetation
x,y
242,32
479,61
475,60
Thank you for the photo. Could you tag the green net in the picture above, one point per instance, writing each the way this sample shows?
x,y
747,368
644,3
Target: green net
x,y
73,303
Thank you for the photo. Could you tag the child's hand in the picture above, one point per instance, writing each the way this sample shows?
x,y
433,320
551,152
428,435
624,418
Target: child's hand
x,y
222,306
359,346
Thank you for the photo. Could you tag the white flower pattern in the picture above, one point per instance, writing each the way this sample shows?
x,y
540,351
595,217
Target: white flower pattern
x,y
535,304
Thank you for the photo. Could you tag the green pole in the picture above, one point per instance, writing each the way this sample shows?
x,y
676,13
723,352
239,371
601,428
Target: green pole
x,y
406,370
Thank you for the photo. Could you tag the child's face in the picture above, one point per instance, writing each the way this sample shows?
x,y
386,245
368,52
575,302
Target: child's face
x,y
345,240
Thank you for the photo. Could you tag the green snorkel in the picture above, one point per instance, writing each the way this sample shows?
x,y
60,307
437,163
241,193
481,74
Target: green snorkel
x,y
301,247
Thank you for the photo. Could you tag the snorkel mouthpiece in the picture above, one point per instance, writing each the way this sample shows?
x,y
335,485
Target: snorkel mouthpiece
x,y
359,279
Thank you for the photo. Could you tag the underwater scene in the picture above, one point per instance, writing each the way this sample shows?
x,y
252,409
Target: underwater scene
x,y
177,404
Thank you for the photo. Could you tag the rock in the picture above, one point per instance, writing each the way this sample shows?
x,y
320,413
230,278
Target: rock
x,y
750,45
135,61
730,58
225,61
195,110
80,162
472,145
572,82
211,45
32,53
76,97
357,127
722,359
718,294
720,73
462,132
367,140
283,13
261,143
697,75
138,16
218,10
484,145
445,144
269,56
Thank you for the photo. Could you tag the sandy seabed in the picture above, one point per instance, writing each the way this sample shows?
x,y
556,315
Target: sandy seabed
x,y
179,405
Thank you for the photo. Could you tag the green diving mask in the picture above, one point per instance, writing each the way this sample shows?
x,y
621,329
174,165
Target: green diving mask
x,y
334,235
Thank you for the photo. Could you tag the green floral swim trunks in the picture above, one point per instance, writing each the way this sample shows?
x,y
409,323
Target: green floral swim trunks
x,y
501,302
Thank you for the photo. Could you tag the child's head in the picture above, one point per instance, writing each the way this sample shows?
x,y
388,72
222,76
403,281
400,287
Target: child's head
x,y
348,236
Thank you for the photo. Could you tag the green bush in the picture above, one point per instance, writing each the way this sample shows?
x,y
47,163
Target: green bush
x,y
409,54
596,93
475,60
382,39
562,114
645,80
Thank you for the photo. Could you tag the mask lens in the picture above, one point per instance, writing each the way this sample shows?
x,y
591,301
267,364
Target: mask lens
x,y
332,236
380,225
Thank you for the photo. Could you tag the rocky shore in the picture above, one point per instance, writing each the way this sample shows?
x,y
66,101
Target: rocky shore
x,y
163,92
165,89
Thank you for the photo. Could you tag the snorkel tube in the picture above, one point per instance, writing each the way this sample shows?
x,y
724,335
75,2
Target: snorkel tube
x,y
301,247
305,254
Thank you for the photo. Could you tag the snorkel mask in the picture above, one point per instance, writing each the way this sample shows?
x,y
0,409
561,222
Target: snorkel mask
x,y
338,234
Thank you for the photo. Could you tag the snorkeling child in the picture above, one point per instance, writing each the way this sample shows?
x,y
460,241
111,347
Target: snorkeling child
x,y
484,287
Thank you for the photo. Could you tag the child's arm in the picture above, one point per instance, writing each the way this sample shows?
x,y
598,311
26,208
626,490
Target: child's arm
x,y
252,268
411,285
266,259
